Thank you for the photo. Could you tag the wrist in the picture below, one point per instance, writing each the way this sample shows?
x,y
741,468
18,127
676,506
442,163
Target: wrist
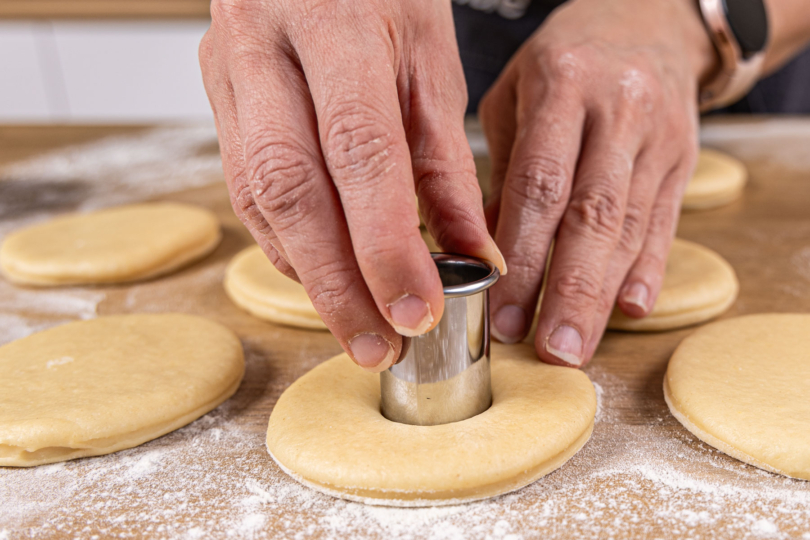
x,y
704,58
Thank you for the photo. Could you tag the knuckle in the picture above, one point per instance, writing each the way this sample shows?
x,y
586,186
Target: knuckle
x,y
598,211
578,286
358,146
560,62
231,12
205,52
541,182
248,212
329,288
633,229
319,14
639,88
282,177
242,202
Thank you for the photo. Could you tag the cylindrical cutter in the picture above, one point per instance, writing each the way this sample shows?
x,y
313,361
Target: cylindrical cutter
x,y
444,375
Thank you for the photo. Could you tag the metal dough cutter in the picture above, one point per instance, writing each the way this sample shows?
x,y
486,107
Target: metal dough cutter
x,y
444,375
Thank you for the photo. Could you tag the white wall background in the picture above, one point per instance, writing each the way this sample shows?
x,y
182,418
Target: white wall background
x,y
101,71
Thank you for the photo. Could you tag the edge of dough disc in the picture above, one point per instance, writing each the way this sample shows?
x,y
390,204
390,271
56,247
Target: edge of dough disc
x,y
174,263
170,264
66,453
267,312
676,320
713,441
379,498
673,321
716,200
696,202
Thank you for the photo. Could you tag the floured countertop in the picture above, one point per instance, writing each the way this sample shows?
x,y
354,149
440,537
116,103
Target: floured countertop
x,y
641,475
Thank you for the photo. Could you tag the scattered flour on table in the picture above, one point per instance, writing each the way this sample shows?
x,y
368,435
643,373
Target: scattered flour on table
x,y
599,398
214,479
15,327
25,311
757,138
112,171
801,262
73,302
108,172
125,167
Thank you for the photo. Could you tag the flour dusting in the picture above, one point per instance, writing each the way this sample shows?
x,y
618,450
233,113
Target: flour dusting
x,y
15,327
773,140
26,311
214,479
112,171
71,302
58,362
801,262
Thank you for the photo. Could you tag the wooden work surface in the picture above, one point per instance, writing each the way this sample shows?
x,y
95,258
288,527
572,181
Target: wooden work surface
x,y
641,475
104,9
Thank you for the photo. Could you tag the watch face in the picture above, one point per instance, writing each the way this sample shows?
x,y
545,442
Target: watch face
x,y
749,22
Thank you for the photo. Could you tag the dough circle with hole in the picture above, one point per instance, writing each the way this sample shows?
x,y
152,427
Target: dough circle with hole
x,y
327,432
718,180
742,386
94,387
255,285
698,285
115,245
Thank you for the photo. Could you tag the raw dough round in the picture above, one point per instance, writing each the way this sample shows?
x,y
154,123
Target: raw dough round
x,y
742,386
116,245
93,387
718,180
327,432
255,285
698,285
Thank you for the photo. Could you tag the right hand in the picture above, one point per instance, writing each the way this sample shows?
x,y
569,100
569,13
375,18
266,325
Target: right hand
x,y
330,116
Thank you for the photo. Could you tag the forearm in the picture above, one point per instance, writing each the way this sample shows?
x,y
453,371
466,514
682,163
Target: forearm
x,y
790,31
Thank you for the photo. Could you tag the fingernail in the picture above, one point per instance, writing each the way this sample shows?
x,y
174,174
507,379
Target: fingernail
x,y
410,315
566,344
509,324
372,352
638,295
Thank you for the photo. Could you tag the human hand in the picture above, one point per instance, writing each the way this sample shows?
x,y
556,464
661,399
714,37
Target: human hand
x,y
592,129
330,116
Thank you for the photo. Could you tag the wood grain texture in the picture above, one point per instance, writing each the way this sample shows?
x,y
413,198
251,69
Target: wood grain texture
x,y
103,9
641,475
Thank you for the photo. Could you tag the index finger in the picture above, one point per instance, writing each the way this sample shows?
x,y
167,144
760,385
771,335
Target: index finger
x,y
357,103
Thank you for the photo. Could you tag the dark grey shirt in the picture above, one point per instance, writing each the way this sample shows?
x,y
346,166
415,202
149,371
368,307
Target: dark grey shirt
x,y
492,31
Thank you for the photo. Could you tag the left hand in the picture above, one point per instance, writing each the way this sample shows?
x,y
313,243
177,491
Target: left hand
x,y
592,129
